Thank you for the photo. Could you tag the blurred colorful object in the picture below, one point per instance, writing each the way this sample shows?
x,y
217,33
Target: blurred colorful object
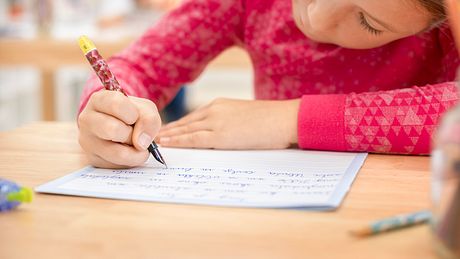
x,y
446,168
11,195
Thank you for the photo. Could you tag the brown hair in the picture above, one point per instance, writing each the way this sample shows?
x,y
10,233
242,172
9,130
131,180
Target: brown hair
x,y
436,8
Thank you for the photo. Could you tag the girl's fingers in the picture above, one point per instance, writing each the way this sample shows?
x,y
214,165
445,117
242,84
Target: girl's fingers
x,y
115,153
106,127
115,104
194,116
197,139
97,161
181,130
147,125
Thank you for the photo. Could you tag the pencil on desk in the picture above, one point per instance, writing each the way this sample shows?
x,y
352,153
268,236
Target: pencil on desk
x,y
393,223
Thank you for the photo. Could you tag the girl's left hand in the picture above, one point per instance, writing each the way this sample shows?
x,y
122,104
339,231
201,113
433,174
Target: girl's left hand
x,y
235,124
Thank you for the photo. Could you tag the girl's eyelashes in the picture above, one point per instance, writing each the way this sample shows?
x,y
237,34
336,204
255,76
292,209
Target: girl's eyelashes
x,y
367,26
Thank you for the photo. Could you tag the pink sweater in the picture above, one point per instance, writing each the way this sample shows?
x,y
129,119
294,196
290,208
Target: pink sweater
x,y
387,99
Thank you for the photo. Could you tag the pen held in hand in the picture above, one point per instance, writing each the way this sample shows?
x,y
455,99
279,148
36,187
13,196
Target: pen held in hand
x,y
109,81
393,223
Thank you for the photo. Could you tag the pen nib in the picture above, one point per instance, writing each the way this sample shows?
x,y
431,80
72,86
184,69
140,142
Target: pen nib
x,y
153,149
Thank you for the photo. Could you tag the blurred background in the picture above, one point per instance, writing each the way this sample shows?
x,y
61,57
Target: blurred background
x,y
42,70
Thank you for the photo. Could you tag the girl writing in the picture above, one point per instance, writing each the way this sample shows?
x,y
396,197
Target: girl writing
x,y
342,75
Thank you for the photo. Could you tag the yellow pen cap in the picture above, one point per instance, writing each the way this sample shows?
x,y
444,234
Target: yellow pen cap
x,y
86,45
23,195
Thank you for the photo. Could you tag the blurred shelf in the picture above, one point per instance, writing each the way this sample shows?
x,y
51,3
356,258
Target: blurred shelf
x,y
51,54
48,55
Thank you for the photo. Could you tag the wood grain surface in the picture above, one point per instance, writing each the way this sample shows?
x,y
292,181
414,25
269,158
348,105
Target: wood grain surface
x,y
75,227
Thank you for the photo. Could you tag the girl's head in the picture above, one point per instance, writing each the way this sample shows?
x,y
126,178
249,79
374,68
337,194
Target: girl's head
x,y
363,24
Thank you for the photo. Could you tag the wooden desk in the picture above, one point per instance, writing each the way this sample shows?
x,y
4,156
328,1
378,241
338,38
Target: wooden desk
x,y
74,227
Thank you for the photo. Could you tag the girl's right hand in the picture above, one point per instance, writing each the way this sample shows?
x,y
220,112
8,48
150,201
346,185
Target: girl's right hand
x,y
115,131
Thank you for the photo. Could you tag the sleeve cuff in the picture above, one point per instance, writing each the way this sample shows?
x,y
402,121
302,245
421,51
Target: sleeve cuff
x,y
321,122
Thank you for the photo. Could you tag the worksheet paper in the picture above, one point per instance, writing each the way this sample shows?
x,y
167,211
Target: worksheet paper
x,y
264,179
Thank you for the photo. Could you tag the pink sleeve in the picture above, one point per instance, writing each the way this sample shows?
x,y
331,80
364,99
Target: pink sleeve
x,y
398,121
175,50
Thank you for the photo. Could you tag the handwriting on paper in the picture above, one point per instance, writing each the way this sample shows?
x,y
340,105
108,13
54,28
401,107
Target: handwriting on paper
x,y
275,179
213,183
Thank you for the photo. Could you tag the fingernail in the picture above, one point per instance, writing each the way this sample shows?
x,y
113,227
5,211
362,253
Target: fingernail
x,y
165,140
144,140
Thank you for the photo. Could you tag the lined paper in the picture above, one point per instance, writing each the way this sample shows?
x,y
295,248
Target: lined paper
x,y
264,179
